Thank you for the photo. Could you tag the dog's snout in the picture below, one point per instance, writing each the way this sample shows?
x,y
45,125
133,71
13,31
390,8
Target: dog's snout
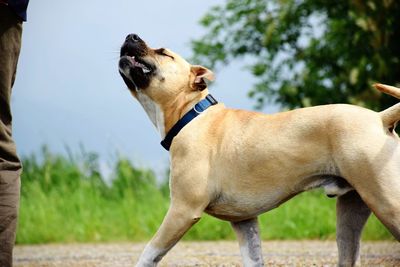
x,y
133,37
134,46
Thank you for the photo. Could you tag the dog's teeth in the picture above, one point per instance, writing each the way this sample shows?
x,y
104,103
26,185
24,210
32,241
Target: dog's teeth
x,y
145,70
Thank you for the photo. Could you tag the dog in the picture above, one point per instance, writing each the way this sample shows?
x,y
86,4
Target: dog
x,y
236,164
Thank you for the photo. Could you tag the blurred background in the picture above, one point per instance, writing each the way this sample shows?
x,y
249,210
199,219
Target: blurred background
x,y
93,165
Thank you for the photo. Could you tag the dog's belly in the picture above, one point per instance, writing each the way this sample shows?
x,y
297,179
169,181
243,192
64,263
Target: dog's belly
x,y
238,208
244,205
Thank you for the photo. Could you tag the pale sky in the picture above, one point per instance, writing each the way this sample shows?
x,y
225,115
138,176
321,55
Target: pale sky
x,y
68,91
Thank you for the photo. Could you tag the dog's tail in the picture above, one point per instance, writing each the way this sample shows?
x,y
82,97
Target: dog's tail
x,y
390,116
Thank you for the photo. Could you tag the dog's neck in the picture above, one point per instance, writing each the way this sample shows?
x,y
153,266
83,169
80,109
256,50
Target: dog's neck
x,y
154,111
165,115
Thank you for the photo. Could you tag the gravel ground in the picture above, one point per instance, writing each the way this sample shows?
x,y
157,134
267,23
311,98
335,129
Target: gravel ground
x,y
224,253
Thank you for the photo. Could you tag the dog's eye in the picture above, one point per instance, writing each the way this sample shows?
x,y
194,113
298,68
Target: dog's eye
x,y
162,52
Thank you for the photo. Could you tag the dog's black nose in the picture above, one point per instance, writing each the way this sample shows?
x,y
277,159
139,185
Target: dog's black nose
x,y
133,46
134,37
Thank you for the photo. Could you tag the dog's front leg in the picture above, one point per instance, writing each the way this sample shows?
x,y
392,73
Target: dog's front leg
x,y
352,213
180,217
249,240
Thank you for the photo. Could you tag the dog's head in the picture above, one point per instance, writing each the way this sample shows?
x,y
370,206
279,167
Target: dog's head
x,y
158,73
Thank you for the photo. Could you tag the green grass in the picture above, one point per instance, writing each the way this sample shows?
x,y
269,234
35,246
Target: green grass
x,y
65,199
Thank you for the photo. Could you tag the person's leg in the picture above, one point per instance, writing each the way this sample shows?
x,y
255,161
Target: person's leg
x,y
10,166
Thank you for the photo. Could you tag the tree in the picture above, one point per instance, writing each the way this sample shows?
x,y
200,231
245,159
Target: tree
x,y
308,52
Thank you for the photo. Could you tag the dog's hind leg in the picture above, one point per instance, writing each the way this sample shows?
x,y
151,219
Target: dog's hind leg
x,y
371,165
385,204
351,215
249,240
381,193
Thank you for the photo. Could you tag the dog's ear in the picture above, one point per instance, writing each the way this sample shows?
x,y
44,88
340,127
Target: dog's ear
x,y
200,73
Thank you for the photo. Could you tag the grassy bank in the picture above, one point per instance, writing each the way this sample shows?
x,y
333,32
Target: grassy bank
x,y
65,199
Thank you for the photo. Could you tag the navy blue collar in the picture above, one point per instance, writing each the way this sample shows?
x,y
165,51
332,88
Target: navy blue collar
x,y
188,117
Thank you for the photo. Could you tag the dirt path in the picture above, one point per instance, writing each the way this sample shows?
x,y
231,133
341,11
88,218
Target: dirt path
x,y
225,253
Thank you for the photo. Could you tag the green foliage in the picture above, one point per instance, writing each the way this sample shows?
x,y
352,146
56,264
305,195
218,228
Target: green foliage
x,y
67,200
308,52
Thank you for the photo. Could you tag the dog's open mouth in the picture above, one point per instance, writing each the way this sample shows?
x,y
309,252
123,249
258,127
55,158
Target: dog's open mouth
x,y
135,71
136,64
134,68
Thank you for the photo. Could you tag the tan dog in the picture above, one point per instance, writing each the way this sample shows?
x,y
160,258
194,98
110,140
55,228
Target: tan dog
x,y
236,164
